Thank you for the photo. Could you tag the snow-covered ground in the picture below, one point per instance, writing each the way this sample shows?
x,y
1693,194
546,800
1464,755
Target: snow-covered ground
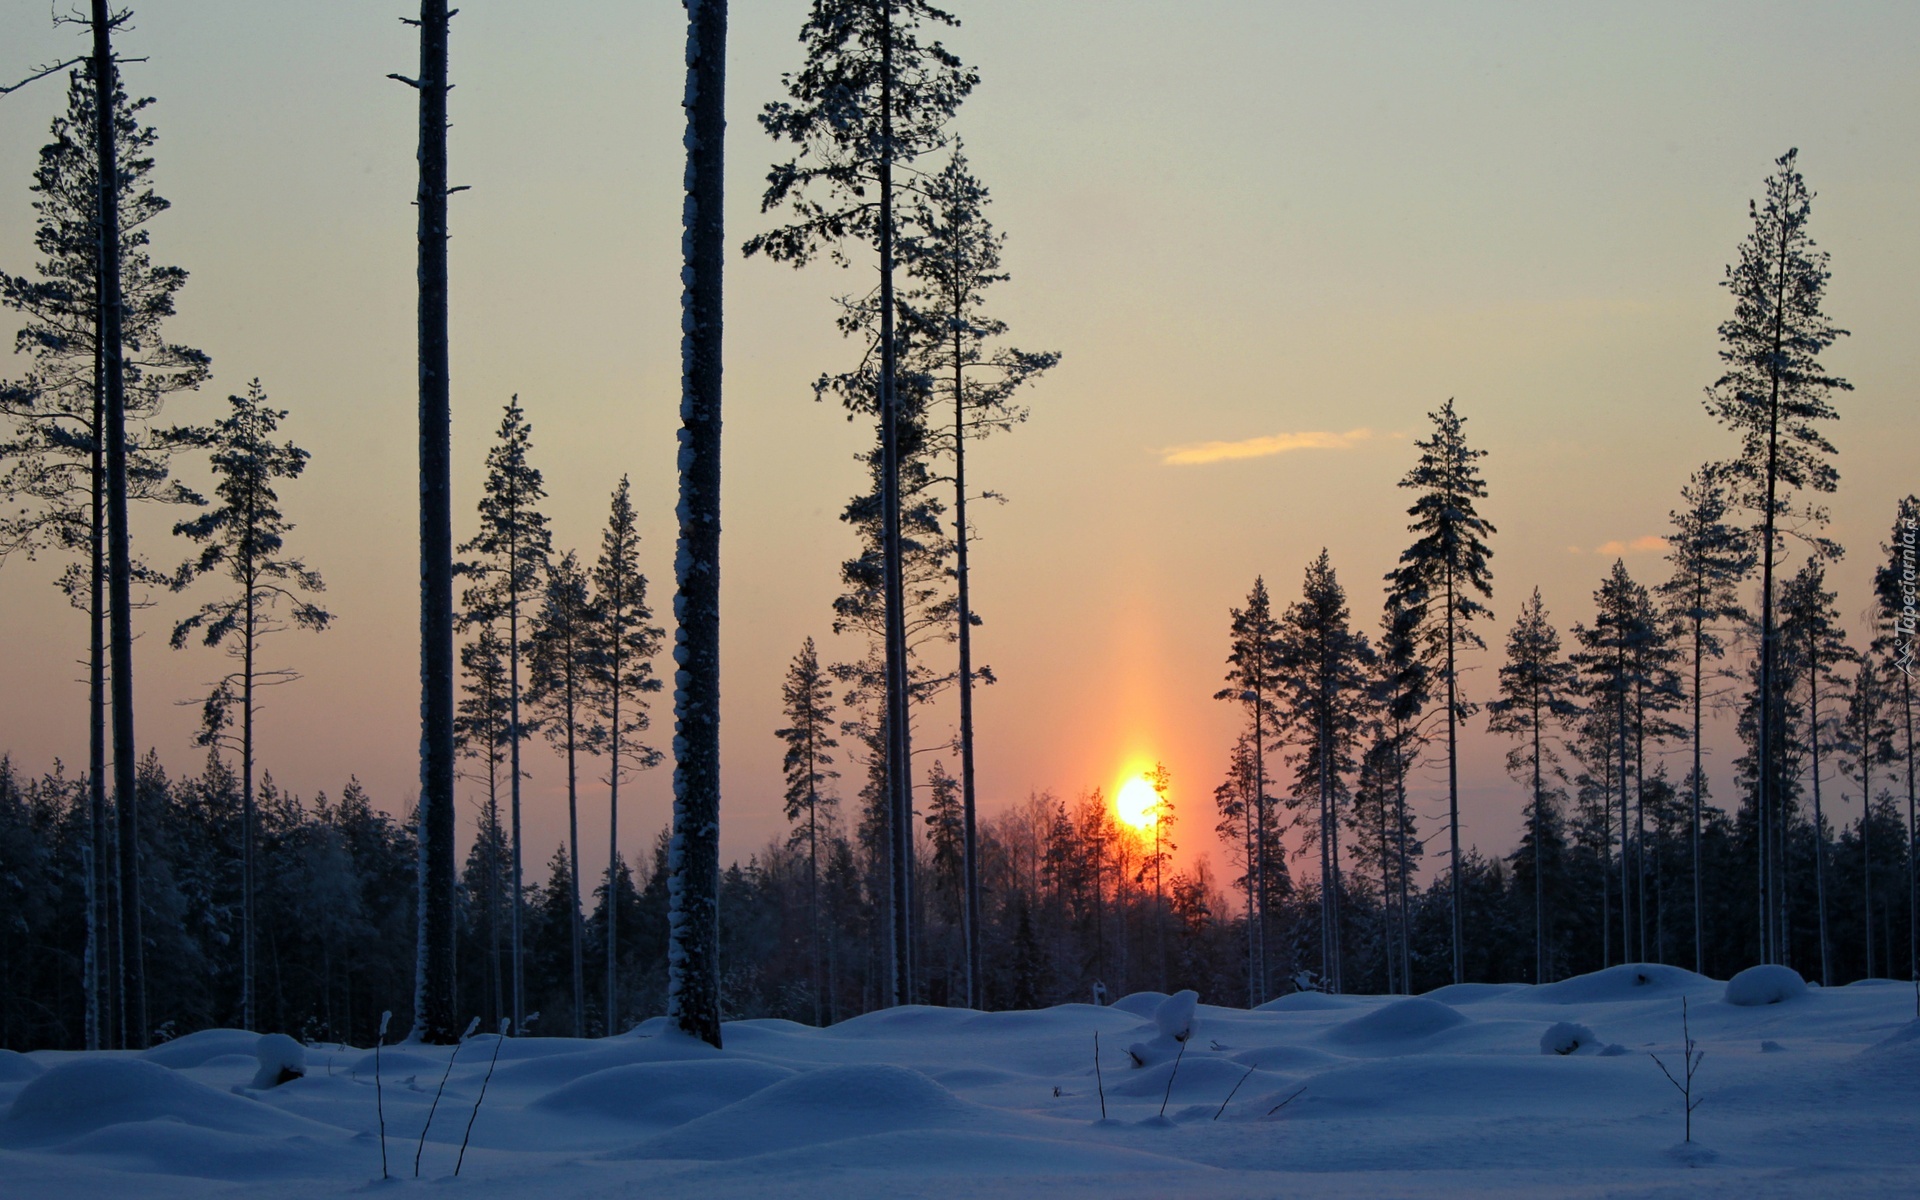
x,y
1460,1092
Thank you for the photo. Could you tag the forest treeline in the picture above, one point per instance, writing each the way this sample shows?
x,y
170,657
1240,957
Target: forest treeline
x,y
142,905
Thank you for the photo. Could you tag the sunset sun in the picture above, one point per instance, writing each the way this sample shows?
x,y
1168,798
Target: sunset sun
x,y
1137,803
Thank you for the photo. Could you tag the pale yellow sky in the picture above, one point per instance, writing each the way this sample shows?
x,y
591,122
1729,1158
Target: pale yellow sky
x,y
1308,224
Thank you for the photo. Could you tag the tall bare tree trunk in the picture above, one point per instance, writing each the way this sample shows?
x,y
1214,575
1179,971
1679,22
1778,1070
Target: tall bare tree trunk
x,y
1453,794
1699,899
99,1019
434,984
693,857
969,853
119,555
1819,822
899,752
576,931
247,819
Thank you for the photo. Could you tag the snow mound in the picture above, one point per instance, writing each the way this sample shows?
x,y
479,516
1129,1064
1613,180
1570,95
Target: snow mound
x,y
1630,981
154,1150
1199,1078
281,1059
1769,983
1140,1004
550,1071
826,1105
195,1049
1306,1002
16,1067
1174,1017
915,1019
393,1064
967,1155
1403,1020
661,1095
87,1095
1565,1037
1470,993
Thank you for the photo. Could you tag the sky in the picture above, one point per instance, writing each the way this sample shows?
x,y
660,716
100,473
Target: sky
x,y
1266,238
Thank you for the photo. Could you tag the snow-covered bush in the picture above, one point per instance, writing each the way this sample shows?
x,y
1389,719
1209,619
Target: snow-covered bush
x,y
281,1060
1173,1024
1766,984
1566,1037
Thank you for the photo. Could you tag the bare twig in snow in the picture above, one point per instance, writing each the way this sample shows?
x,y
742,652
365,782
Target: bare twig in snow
x,y
1692,1064
1236,1087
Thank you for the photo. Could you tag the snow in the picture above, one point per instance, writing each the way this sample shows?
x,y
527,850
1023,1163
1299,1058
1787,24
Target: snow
x,y
1567,1037
281,1059
1460,1093
1766,984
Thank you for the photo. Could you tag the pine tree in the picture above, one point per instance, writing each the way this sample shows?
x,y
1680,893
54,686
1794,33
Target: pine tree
x,y
1323,676
512,550
1656,693
1896,589
1773,395
1536,684
55,449
952,252
1156,860
1401,694
1619,665
1868,744
1240,801
807,704
1253,681
1439,578
434,981
243,538
872,97
622,649
558,666
1710,560
1811,637
693,858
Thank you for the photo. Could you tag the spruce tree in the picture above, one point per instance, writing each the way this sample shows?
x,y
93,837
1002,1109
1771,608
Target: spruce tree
x,y
872,97
1253,681
953,256
54,449
1812,640
1442,577
807,704
1710,558
1896,589
243,539
1323,679
1773,395
558,665
1536,686
511,550
622,647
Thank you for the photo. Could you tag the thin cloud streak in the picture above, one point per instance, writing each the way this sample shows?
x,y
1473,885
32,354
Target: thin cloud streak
x,y
1196,453
1647,544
